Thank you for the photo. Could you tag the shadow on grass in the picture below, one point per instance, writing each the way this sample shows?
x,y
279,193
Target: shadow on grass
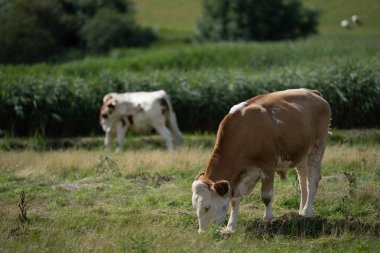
x,y
294,225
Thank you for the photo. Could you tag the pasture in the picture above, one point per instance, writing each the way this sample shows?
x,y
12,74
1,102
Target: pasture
x,y
79,198
83,199
179,16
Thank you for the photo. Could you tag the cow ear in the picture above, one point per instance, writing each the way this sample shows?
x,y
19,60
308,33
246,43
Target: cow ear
x,y
200,175
107,97
221,187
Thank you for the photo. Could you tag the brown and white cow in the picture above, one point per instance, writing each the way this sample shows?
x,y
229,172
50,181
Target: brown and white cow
x,y
263,135
139,111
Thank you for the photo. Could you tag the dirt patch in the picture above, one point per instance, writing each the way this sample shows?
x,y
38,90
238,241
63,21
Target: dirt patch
x,y
77,186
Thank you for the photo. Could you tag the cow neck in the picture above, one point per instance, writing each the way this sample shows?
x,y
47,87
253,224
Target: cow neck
x,y
222,166
225,161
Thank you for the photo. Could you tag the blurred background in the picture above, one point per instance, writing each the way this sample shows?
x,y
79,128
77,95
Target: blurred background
x,y
58,58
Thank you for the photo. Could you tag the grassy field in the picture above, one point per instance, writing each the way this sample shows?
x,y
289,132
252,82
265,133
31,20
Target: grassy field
x,y
82,199
181,16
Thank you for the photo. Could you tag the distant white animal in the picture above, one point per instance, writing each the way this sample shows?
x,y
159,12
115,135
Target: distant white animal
x,y
139,111
345,24
355,19
263,135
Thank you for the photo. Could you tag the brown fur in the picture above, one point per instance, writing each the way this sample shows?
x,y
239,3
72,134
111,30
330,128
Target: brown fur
x,y
102,109
251,138
221,187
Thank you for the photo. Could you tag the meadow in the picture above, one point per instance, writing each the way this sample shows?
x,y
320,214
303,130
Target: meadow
x,y
83,199
61,192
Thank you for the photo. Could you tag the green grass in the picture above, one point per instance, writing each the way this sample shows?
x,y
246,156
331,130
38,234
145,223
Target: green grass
x,y
252,58
335,11
80,201
142,141
177,16
140,201
181,16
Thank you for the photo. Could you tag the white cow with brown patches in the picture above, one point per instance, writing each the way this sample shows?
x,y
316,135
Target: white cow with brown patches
x,y
266,134
139,111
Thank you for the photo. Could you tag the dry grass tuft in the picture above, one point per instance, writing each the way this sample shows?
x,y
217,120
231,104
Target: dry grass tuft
x,y
24,221
49,164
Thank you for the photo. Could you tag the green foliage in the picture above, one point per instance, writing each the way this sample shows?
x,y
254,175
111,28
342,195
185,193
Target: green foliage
x,y
204,81
109,29
25,33
69,105
355,137
256,20
34,30
89,8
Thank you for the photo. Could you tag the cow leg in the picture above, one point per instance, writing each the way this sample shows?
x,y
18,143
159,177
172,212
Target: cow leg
x,y
165,134
121,129
302,172
173,125
266,195
232,221
107,139
110,134
313,174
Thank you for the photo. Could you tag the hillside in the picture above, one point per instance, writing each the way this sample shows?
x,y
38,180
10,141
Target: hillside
x,y
181,15
335,11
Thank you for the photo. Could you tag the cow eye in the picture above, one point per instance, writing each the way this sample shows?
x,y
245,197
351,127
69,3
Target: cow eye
x,y
111,106
207,208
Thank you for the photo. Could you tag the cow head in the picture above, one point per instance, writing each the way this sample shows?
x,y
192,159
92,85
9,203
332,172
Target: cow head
x,y
210,201
108,108
113,108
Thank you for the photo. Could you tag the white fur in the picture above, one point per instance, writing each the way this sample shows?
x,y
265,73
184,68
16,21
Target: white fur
x,y
248,182
146,112
217,205
210,207
232,222
345,24
268,215
238,107
355,19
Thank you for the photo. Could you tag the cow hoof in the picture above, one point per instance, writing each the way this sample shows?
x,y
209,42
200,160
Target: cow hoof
x,y
305,214
226,231
268,219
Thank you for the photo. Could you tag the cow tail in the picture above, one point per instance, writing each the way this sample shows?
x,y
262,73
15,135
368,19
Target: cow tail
x,y
172,121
